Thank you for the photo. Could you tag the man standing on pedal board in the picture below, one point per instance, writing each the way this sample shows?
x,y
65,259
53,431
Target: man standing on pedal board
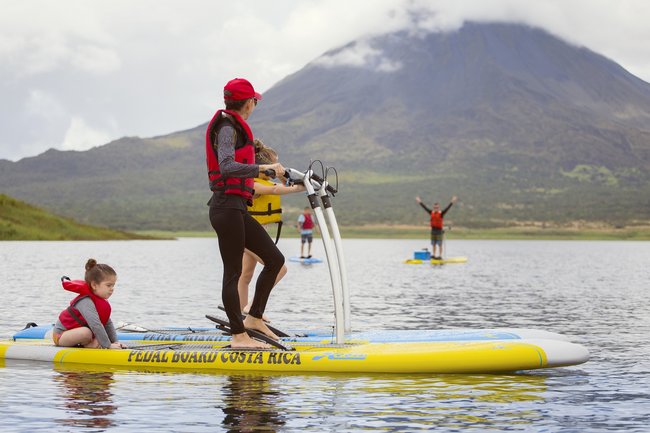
x,y
437,225
230,157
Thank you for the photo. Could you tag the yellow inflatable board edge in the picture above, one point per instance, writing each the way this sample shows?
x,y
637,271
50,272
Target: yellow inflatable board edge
x,y
430,357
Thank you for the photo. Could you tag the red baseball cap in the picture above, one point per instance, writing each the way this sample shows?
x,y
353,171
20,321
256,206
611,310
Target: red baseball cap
x,y
239,89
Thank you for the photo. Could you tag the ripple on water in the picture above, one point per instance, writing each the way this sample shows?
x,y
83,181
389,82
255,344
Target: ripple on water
x,y
557,286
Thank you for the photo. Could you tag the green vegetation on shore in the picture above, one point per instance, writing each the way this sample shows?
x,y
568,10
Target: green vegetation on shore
x,y
502,233
21,221
637,233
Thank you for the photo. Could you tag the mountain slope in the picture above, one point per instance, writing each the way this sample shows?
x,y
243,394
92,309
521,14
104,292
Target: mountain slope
x,y
517,123
513,86
20,221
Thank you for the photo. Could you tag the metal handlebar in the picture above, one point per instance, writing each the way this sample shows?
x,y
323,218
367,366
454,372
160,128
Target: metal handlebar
x,y
298,176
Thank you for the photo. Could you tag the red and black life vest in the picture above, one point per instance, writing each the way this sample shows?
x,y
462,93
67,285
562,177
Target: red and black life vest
x,y
244,153
436,220
71,317
308,223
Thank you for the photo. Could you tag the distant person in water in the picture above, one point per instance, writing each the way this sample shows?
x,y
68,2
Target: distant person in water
x,y
306,229
437,225
87,321
265,209
230,154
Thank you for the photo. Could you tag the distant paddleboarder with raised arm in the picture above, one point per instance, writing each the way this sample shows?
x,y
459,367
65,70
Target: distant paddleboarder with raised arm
x,y
230,156
437,225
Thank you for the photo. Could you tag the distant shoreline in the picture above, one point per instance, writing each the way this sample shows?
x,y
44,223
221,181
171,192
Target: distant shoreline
x,y
20,221
632,233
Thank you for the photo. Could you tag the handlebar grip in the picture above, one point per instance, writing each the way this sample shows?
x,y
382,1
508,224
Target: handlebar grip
x,y
320,180
269,172
315,177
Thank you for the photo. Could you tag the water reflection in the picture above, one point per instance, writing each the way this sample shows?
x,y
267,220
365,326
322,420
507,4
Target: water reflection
x,y
87,397
250,402
449,401
365,403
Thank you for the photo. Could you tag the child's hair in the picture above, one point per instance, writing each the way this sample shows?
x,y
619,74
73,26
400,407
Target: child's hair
x,y
97,272
263,153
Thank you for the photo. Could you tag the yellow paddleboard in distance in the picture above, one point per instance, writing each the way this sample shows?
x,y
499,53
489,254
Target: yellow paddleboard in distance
x,y
461,259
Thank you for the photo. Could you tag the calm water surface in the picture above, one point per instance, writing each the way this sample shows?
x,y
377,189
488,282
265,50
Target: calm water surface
x,y
596,292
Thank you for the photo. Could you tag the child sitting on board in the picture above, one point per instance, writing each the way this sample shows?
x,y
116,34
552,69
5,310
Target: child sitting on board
x,y
87,321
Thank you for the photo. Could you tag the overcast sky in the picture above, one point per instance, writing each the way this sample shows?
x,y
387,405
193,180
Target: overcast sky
x,y
75,74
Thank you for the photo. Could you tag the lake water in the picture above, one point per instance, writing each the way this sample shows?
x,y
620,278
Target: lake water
x,y
596,292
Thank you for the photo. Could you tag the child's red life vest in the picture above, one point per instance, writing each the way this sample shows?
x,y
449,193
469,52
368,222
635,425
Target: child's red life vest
x,y
436,220
71,317
308,223
244,153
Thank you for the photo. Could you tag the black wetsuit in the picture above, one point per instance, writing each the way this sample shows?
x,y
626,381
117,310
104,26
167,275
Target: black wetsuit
x,y
237,230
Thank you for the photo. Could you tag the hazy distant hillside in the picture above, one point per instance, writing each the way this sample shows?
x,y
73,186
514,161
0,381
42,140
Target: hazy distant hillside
x,y
131,183
517,123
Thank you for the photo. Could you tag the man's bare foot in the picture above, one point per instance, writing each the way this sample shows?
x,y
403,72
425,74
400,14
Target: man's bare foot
x,y
247,308
251,322
244,341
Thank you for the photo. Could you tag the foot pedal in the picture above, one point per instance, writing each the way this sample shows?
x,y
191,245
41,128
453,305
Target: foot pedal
x,y
275,330
224,325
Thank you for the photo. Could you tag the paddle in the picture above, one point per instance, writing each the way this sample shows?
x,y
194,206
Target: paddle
x,y
135,328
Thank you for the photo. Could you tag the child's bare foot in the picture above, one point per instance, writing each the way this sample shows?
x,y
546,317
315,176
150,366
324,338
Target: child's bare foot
x,y
251,322
244,341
